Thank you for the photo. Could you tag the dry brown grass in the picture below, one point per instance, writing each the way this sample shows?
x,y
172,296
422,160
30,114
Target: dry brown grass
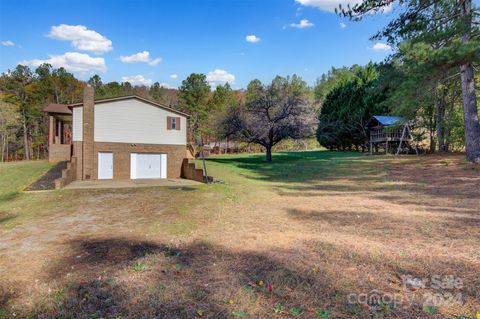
x,y
300,234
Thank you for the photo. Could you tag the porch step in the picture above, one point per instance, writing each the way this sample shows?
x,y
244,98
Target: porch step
x,y
69,174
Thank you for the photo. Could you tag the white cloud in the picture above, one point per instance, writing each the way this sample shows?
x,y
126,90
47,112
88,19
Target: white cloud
x,y
328,5
303,24
387,9
331,5
166,86
140,57
137,80
342,25
218,76
8,43
81,38
173,76
252,38
72,61
381,47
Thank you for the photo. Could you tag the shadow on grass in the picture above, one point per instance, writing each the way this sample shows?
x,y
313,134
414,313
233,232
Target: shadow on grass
x,y
6,294
292,166
335,218
6,197
413,181
5,217
378,224
115,277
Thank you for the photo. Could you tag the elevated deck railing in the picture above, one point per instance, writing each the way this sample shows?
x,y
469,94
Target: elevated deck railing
x,y
380,135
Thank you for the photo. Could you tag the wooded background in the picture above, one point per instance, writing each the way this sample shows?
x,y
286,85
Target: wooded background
x,y
432,79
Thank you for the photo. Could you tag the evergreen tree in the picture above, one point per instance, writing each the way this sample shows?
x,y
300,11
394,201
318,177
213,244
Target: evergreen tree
x,y
437,34
349,106
193,98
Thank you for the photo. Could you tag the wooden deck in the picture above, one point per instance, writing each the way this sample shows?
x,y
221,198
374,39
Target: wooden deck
x,y
378,135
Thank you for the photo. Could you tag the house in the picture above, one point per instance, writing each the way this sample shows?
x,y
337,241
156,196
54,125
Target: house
x,y
393,131
119,138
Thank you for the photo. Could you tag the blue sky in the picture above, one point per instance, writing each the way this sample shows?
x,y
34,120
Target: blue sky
x,y
205,36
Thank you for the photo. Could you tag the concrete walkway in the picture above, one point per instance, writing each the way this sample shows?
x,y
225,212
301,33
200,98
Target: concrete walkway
x,y
134,183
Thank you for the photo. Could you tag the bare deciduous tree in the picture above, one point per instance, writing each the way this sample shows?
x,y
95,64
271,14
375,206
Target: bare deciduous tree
x,y
272,113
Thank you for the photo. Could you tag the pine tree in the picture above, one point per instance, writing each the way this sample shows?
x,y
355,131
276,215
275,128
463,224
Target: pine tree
x,y
452,23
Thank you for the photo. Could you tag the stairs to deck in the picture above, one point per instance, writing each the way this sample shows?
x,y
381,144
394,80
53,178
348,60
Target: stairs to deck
x,y
190,171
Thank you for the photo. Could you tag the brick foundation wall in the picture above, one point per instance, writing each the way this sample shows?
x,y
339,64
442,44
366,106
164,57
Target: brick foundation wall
x,y
121,157
78,154
59,152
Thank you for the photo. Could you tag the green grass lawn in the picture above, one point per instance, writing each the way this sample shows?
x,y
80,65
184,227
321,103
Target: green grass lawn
x,y
246,175
288,167
243,174
14,177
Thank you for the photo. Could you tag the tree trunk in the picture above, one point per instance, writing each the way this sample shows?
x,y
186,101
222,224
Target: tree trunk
x,y
448,128
439,118
3,145
470,111
6,148
432,141
470,114
26,156
268,150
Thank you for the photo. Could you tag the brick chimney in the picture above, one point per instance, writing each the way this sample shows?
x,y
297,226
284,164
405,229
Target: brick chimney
x,y
88,119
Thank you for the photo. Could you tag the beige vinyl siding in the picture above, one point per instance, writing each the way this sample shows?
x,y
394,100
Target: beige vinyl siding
x,y
134,121
77,124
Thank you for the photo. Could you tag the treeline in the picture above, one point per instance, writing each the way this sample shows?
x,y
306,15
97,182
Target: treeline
x,y
432,79
349,97
341,102
435,69
263,114
25,92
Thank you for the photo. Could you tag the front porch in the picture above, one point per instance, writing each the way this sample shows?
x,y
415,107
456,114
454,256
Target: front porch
x,y
59,132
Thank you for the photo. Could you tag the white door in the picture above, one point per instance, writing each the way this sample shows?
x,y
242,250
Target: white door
x,y
105,165
144,166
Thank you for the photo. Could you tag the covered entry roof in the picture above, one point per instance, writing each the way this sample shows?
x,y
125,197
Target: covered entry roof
x,y
57,108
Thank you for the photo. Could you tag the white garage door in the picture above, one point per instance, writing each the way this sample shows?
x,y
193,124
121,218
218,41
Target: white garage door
x,y
148,166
